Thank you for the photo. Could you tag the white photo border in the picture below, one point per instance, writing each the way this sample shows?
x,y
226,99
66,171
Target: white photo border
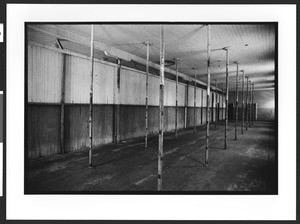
x,y
151,207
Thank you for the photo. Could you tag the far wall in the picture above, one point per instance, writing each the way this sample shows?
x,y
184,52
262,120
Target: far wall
x,y
265,100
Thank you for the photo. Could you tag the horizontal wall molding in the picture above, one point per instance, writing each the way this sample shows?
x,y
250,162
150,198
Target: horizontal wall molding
x,y
127,105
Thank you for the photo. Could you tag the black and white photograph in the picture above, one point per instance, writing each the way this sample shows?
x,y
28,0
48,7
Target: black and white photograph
x,y
151,108
149,112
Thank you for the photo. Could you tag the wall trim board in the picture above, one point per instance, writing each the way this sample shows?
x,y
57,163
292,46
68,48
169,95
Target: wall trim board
x,y
103,104
68,52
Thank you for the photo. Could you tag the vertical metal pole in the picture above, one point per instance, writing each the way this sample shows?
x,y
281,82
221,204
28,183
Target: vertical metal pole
x,y
247,78
62,111
243,84
216,114
202,98
253,109
147,92
236,100
176,108
195,101
161,109
226,98
222,101
91,97
116,108
219,107
186,106
250,107
208,96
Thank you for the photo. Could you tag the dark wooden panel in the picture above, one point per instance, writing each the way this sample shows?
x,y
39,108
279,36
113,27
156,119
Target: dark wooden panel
x,y
43,129
76,126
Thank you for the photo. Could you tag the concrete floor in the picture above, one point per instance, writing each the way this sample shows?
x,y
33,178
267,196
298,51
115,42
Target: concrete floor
x,y
248,165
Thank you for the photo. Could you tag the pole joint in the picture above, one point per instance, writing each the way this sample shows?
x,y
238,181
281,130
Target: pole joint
x,y
148,43
226,48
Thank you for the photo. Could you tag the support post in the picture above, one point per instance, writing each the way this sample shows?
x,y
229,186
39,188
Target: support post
x,y
186,106
202,106
226,98
194,100
208,96
243,84
91,97
216,114
253,114
219,102
161,109
147,92
62,111
236,100
222,101
116,108
176,108
250,106
247,78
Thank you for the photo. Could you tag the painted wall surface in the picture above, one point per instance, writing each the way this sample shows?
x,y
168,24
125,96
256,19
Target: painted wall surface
x,y
265,114
231,112
133,89
45,69
265,101
78,78
266,105
45,72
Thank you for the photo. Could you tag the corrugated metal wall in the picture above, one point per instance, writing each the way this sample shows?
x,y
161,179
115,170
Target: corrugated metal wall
x,y
45,72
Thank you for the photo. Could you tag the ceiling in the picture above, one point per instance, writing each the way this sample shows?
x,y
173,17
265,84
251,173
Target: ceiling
x,y
251,45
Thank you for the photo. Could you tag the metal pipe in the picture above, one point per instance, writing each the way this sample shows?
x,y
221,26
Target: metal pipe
x,y
226,98
208,96
250,106
243,83
116,108
91,97
236,100
222,101
202,98
62,111
195,101
186,105
161,109
253,109
247,78
176,108
147,92
216,114
219,106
